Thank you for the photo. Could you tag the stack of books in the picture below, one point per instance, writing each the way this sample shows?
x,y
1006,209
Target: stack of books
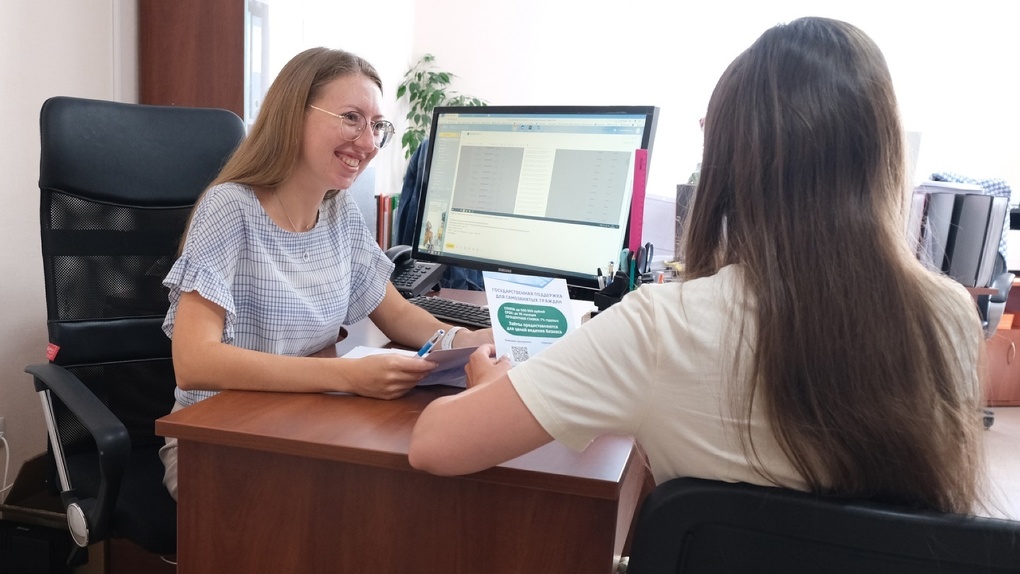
x,y
385,216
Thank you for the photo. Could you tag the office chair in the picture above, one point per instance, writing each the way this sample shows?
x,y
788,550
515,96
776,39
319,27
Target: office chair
x,y
991,307
689,525
117,182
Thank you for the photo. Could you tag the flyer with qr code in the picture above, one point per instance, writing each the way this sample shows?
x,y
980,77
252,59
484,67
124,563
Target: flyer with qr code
x,y
527,313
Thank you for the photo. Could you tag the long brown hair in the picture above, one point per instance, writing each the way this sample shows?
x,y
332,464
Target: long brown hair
x,y
267,155
803,184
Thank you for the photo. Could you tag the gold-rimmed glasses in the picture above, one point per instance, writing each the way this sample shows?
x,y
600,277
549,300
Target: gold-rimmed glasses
x,y
352,125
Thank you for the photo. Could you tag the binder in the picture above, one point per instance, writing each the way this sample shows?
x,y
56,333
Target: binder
x,y
938,222
915,222
966,245
996,222
960,232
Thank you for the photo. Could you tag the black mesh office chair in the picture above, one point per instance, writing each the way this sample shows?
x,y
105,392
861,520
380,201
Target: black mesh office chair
x,y
117,182
690,525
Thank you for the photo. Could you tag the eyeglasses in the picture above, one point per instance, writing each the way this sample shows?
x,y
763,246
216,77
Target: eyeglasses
x,y
352,125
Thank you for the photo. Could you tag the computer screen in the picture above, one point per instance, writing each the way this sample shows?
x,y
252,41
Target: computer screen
x,y
535,190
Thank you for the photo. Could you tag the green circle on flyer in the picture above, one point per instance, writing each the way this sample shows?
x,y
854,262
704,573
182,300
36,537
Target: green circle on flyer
x,y
532,320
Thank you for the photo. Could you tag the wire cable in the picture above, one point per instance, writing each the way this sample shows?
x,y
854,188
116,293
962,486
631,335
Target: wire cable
x,y
7,464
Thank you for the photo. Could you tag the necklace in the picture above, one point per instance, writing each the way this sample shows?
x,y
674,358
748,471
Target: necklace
x,y
304,256
287,215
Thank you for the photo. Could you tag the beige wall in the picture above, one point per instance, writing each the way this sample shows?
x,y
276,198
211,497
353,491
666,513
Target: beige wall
x,y
47,48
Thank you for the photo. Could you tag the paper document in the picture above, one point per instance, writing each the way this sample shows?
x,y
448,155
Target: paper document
x,y
449,363
528,313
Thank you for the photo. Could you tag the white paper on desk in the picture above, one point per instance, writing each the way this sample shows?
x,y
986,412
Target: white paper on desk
x,y
528,314
449,363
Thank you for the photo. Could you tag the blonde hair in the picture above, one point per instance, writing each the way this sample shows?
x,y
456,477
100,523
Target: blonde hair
x,y
802,183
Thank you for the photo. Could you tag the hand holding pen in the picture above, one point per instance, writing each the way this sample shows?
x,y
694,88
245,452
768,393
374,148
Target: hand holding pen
x,y
424,350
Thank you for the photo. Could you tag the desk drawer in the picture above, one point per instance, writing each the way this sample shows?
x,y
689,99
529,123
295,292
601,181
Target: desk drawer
x,y
1003,386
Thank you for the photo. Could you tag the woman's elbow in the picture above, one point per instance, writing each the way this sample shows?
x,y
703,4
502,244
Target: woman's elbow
x,y
184,381
187,373
424,456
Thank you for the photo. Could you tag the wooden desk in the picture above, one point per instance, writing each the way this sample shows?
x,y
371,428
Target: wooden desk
x,y
280,482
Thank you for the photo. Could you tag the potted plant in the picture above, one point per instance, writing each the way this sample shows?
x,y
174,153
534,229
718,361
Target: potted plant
x,y
426,87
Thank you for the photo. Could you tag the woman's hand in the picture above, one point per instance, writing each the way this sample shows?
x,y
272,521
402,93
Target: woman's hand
x,y
465,338
387,376
483,368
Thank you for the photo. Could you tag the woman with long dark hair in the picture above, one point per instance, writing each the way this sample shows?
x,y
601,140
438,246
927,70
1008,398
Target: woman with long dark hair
x,y
806,346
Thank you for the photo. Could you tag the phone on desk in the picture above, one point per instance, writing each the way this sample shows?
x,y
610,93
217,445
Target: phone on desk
x,y
413,278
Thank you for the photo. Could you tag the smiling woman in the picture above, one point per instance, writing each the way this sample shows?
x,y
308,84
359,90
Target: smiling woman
x,y
277,258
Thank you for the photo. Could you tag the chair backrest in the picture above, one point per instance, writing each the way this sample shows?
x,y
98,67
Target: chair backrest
x,y
992,307
117,182
689,525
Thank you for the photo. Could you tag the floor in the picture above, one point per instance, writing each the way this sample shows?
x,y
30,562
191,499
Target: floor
x,y
1003,451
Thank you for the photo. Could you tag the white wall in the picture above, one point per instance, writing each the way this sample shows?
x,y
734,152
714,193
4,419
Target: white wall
x,y
47,48
954,65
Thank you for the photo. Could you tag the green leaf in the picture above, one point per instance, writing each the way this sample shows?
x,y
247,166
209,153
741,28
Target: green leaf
x,y
424,88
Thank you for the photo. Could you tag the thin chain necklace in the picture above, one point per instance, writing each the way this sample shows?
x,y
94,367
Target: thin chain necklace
x,y
287,215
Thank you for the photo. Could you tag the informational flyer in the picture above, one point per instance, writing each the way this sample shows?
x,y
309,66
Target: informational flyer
x,y
528,313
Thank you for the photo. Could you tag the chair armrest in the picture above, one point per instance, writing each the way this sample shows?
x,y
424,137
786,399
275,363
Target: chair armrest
x,y
1001,284
112,439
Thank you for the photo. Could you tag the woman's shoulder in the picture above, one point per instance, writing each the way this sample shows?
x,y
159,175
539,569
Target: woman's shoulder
x,y
229,193
341,202
727,281
343,210
229,201
706,296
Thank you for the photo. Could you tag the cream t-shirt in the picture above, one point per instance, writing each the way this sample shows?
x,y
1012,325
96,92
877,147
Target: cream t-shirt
x,y
661,366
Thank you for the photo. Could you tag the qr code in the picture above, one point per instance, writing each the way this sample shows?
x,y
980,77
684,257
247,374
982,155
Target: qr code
x,y
519,353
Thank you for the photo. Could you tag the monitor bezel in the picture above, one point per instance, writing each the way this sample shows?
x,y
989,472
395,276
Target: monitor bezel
x,y
581,287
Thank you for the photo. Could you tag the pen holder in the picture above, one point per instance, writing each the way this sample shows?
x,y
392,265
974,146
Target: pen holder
x,y
613,292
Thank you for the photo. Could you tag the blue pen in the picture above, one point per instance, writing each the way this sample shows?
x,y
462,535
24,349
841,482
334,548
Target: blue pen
x,y
424,350
632,266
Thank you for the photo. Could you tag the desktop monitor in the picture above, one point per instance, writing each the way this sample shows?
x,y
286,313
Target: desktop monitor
x,y
534,190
